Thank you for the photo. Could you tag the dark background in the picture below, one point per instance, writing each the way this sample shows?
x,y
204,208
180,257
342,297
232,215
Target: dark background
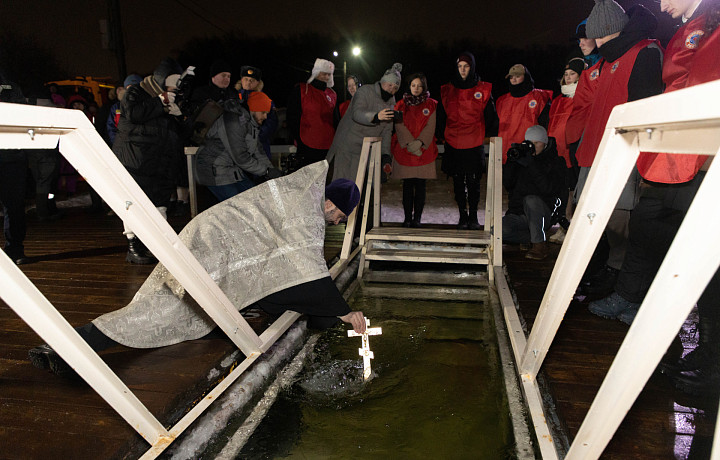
x,y
43,40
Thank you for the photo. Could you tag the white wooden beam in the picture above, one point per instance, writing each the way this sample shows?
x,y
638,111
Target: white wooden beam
x,y
607,178
692,260
33,308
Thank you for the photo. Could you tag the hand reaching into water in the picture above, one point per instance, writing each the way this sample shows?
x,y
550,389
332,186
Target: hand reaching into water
x,y
356,319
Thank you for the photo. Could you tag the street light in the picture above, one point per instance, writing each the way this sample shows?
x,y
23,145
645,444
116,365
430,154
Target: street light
x,y
356,51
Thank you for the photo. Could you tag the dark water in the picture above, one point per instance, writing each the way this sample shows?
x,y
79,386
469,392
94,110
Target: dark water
x,y
437,390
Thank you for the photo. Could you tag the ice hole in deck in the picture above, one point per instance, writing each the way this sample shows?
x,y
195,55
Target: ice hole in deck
x,y
437,389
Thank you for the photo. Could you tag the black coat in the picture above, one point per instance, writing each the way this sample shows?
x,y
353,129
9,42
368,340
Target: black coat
x,y
544,176
148,144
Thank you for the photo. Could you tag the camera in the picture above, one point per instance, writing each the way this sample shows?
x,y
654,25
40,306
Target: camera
x,y
184,91
521,150
397,116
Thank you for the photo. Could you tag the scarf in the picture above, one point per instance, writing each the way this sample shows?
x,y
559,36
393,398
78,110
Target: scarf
x,y
151,86
384,95
411,100
568,90
521,89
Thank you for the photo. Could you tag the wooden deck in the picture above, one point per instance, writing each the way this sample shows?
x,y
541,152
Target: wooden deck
x,y
80,267
664,423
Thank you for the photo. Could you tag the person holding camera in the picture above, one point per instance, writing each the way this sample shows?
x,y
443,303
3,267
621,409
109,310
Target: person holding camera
x,y
466,115
148,143
534,177
413,147
370,114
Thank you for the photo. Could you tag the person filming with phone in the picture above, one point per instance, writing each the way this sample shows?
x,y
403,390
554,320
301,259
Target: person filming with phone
x,y
370,114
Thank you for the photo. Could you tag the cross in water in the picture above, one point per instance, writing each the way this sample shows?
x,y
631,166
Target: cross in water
x,y
365,350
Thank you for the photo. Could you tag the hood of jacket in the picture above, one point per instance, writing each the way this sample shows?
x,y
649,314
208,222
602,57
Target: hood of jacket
x,y
472,78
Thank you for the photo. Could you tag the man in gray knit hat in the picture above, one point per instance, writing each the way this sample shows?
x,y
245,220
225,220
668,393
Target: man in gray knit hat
x,y
630,69
370,115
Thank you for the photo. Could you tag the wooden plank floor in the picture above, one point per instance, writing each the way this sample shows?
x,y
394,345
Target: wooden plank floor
x,y
80,267
664,423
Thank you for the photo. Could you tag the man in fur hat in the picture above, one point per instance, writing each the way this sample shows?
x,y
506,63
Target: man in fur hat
x,y
251,82
312,114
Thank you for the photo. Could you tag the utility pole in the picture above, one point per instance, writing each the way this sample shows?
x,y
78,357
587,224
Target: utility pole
x,y
117,43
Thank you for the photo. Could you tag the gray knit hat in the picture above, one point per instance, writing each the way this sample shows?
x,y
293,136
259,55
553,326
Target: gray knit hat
x,y
536,134
392,75
606,18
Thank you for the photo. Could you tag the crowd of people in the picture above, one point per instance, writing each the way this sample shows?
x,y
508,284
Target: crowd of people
x,y
549,145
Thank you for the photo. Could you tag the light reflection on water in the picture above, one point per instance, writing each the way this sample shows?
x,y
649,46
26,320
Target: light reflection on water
x,y
437,390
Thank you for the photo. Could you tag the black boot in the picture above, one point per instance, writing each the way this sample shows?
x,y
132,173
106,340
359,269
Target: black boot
x,y
45,208
473,223
463,221
138,253
602,283
473,192
704,381
44,357
407,201
418,208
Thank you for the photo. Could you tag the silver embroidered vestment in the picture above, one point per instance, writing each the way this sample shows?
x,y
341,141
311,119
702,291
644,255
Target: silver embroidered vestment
x,y
261,241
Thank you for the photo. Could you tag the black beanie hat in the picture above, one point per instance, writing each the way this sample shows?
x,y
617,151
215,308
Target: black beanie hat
x,y
344,194
577,64
219,66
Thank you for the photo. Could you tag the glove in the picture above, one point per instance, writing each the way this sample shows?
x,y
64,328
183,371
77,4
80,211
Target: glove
x,y
524,161
414,147
272,173
174,109
167,98
386,162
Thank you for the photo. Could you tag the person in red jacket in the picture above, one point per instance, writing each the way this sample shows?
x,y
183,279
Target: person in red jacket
x,y
691,58
413,147
312,114
353,83
466,115
630,69
524,106
560,110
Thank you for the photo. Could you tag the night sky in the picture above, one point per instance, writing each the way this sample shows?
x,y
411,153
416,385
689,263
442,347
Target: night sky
x,y
153,28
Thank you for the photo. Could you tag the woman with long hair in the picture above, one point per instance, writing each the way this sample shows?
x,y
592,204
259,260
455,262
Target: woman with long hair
x,y
413,147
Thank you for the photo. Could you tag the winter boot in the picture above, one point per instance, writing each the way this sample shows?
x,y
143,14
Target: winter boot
x,y
539,251
473,223
463,221
138,253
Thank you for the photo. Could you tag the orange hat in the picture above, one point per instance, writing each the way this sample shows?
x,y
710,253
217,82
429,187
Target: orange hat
x,y
259,102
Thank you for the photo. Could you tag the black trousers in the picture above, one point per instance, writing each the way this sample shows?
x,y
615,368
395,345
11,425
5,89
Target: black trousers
x,y
413,198
654,222
13,170
467,190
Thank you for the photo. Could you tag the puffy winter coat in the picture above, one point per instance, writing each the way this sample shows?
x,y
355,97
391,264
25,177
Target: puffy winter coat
x,y
232,148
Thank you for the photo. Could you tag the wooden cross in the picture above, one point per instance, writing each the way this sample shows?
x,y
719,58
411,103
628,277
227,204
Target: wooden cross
x,y
365,350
